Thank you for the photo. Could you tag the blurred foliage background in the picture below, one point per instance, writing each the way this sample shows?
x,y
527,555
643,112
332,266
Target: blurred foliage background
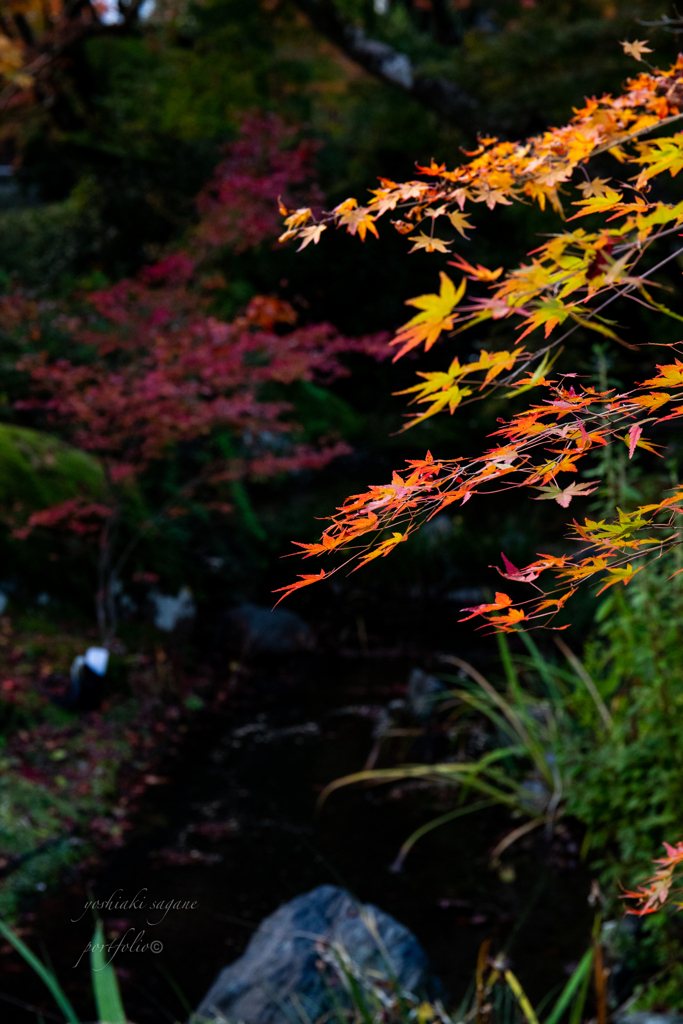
x,y
100,168
107,167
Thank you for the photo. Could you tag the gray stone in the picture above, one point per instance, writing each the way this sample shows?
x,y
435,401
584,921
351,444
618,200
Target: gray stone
x,y
422,692
270,631
279,974
170,611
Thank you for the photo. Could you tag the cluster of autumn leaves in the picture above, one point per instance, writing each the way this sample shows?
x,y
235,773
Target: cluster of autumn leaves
x,y
656,891
566,284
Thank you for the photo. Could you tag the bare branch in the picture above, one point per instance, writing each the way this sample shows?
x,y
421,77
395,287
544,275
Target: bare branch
x,y
395,68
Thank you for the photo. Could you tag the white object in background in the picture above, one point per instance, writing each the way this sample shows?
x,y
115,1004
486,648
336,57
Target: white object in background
x,y
76,666
97,659
169,611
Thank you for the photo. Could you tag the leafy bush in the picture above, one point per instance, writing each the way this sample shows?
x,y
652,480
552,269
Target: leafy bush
x,y
47,245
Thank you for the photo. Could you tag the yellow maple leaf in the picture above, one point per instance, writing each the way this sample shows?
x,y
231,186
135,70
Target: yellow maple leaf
x,y
427,243
597,187
598,204
452,397
551,313
297,217
494,363
356,218
459,222
383,549
310,234
491,196
619,575
436,316
660,155
635,49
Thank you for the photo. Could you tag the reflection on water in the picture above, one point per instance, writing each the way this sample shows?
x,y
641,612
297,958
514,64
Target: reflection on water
x,y
234,833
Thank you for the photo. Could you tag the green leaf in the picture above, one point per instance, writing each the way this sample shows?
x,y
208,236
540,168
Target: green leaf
x,y
436,823
43,973
570,988
105,986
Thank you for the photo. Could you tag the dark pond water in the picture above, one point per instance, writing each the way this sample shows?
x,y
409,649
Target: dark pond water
x,y
234,833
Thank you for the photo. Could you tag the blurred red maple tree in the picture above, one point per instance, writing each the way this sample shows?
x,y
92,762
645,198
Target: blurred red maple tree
x,y
160,369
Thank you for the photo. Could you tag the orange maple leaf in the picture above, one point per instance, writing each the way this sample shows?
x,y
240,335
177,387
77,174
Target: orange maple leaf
x,y
478,273
304,581
502,601
505,622
670,374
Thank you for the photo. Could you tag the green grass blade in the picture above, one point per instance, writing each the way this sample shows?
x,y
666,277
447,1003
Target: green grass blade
x,y
370,923
547,998
576,1016
105,986
485,706
455,772
582,971
337,1006
174,986
524,726
43,973
468,1000
356,995
436,823
543,670
510,671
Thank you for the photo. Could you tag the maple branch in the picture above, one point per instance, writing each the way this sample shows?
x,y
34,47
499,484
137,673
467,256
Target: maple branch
x,y
674,25
392,67
618,294
633,135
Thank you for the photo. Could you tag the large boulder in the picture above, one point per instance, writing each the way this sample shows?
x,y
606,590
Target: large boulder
x,y
280,971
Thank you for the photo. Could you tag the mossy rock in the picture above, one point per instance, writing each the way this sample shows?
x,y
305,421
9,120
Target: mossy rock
x,y
39,470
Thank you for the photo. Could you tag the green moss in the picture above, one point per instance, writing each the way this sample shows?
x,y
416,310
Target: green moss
x,y
39,470
42,871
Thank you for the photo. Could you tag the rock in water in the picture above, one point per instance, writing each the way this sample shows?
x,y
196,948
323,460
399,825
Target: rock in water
x,y
281,961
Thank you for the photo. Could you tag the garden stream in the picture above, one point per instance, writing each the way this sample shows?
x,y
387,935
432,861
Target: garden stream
x,y
232,832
